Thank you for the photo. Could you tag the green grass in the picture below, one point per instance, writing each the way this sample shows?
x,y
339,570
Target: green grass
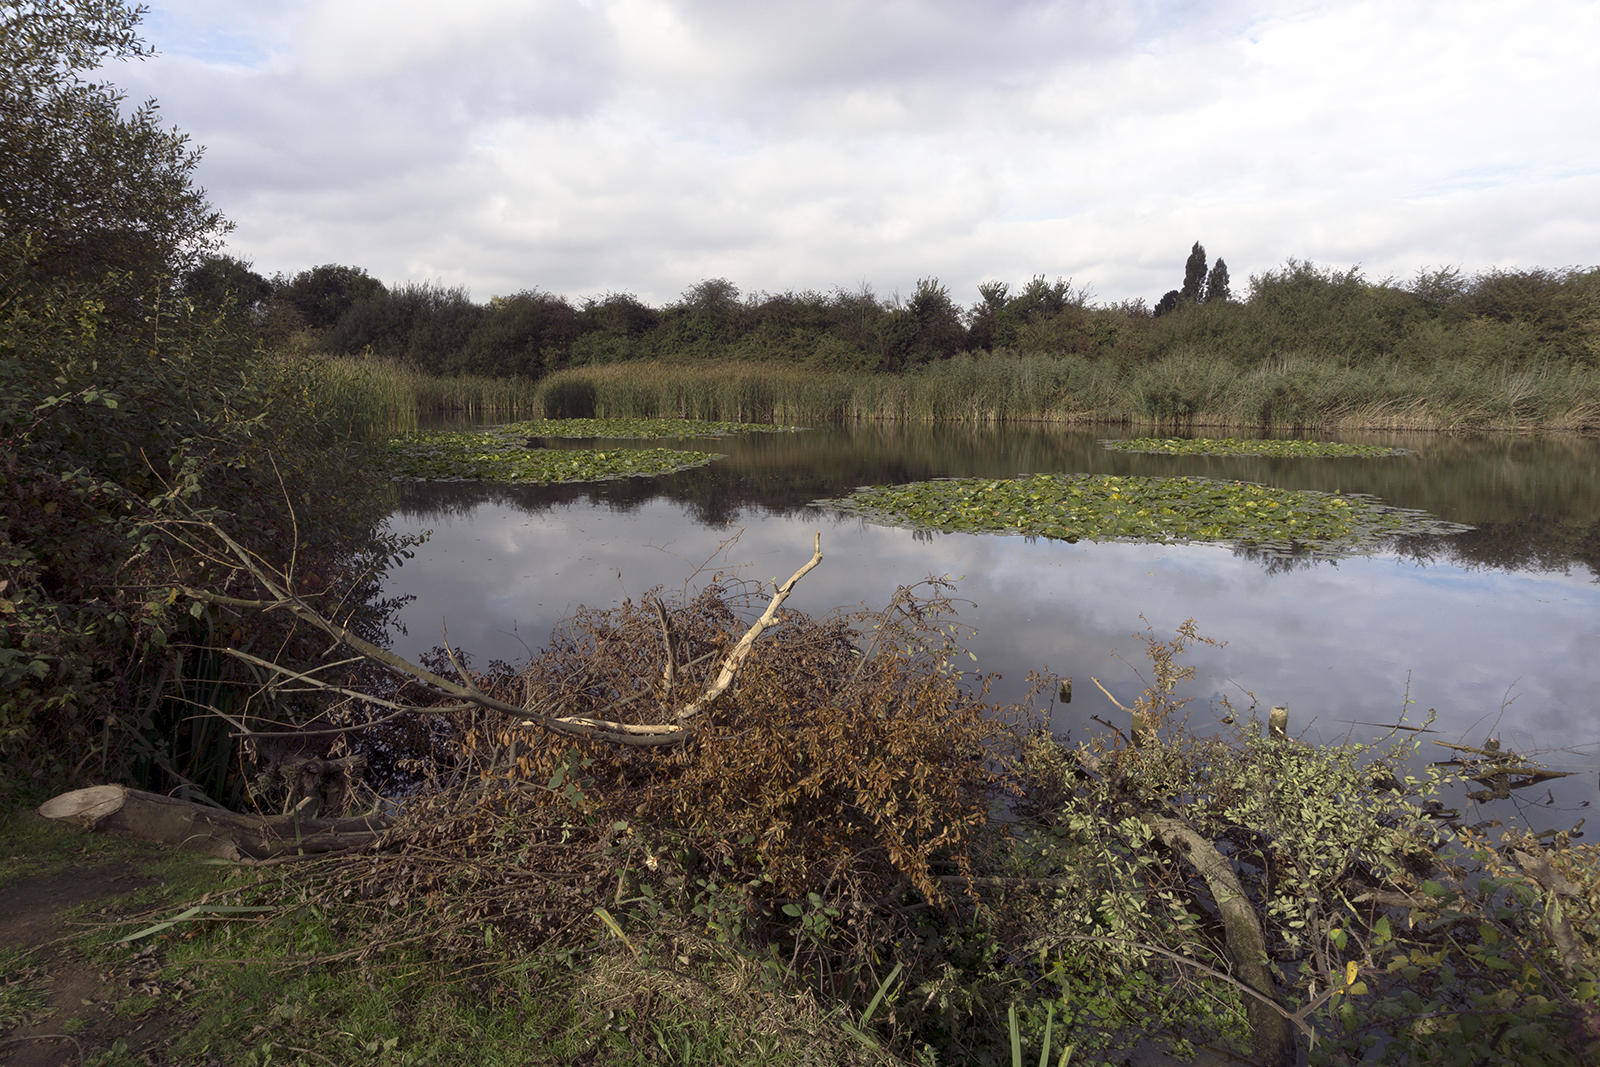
x,y
1160,510
388,395
303,984
22,989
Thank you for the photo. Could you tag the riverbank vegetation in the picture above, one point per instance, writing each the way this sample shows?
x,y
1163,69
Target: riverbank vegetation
x,y
1303,346
860,860
124,406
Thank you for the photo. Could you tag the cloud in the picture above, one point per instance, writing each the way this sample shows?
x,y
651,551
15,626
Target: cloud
x,y
647,144
1339,644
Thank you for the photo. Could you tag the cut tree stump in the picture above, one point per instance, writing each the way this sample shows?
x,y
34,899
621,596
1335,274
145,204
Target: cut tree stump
x,y
115,809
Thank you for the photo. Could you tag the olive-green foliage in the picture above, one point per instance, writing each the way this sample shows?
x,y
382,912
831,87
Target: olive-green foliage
x,y
125,406
1392,936
227,284
107,432
1306,346
1104,507
322,296
1230,446
93,193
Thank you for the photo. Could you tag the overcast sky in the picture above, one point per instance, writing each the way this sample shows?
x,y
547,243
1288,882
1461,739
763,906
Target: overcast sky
x,y
584,146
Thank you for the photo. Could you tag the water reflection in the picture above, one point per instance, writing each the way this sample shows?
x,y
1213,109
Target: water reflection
x,y
1534,502
1496,628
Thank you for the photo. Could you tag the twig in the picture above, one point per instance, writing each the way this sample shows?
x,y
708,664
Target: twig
x,y
1109,697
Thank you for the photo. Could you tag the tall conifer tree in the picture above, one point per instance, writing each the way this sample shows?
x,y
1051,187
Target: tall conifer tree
x,y
1217,283
1194,275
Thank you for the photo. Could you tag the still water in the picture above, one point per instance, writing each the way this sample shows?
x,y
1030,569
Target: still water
x,y
1496,629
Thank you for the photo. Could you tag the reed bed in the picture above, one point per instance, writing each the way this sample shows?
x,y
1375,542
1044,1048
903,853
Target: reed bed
x,y
385,396
1183,390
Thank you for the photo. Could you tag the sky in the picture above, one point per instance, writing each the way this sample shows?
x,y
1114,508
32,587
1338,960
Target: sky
x,y
591,146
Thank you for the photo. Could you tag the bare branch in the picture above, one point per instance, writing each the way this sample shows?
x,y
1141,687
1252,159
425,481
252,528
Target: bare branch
x,y
669,673
741,651
280,597
1109,697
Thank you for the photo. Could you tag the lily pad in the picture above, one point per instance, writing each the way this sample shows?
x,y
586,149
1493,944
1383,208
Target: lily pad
x,y
644,428
1163,510
1233,446
493,456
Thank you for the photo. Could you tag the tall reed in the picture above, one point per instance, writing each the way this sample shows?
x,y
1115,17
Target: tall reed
x,y
1182,390
385,395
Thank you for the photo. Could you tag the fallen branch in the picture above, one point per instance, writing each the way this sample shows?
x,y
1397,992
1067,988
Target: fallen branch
x,y
282,598
116,809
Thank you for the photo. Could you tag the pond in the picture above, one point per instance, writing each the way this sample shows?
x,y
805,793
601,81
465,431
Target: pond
x,y
1496,628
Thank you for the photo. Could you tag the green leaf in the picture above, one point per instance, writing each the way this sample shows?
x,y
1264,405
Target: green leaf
x,y
197,910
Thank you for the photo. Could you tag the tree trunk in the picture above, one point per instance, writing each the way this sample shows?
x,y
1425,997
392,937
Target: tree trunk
x,y
116,809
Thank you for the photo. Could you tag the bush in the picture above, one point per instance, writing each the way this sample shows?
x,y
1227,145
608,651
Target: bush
x,y
126,408
1392,934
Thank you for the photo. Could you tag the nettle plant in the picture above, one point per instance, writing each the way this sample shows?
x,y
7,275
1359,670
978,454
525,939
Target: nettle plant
x,y
1242,889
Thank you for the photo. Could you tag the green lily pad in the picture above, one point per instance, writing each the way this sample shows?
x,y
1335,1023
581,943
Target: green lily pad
x,y
1232,446
493,456
645,428
1099,507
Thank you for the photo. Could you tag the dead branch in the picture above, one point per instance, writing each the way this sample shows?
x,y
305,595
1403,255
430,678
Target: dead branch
x,y
281,597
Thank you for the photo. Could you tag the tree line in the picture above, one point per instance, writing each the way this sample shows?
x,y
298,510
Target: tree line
x,y
1508,318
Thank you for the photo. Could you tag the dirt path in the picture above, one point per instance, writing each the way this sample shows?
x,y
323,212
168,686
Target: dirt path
x,y
88,1006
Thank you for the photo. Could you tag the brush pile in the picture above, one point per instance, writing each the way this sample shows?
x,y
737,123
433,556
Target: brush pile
x,y
848,760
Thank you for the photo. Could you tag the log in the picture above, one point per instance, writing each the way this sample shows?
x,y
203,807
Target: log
x,y
116,809
1270,1035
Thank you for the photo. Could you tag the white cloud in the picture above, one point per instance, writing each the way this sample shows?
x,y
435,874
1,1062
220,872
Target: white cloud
x,y
646,144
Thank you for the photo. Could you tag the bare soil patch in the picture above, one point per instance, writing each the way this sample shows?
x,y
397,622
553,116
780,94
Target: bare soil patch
x,y
81,1015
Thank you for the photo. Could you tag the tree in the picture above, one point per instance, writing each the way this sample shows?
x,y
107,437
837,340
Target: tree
x,y
1217,284
323,294
221,281
1194,275
939,330
121,405
1168,303
86,189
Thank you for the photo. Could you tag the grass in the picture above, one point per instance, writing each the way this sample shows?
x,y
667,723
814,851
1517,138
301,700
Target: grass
x,y
22,992
301,985
1185,390
390,395
1182,389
